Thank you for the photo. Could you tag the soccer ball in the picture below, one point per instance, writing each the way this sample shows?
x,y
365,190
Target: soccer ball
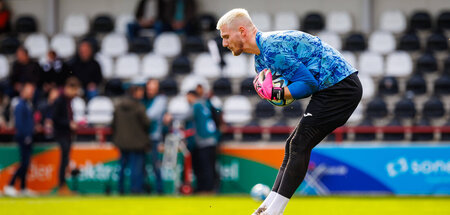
x,y
279,81
259,192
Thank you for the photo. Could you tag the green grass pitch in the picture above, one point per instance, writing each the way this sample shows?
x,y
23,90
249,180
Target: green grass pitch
x,y
218,205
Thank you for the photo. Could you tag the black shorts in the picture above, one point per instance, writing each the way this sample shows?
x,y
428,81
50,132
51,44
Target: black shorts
x,y
334,105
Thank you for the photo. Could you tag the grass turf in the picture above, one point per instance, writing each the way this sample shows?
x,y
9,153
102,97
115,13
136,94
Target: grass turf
x,y
234,205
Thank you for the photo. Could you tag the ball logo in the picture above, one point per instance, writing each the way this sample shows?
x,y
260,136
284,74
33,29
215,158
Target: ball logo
x,y
397,167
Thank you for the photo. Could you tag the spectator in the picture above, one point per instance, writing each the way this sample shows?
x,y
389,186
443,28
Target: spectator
x,y
179,15
54,72
87,70
24,124
45,107
64,126
156,105
4,103
130,127
204,151
146,17
5,16
23,70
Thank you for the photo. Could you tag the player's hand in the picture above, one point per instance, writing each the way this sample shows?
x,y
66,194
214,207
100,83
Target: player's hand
x,y
264,86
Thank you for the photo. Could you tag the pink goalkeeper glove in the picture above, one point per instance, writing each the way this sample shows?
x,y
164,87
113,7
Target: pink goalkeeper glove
x,y
264,86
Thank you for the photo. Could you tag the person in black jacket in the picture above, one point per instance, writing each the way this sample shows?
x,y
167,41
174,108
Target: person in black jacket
x,y
23,70
64,126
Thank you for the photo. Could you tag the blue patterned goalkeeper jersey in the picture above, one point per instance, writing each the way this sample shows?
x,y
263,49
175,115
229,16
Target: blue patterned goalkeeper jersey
x,y
305,60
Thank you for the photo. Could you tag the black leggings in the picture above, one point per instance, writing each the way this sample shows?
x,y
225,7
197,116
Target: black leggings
x,y
65,144
327,110
25,157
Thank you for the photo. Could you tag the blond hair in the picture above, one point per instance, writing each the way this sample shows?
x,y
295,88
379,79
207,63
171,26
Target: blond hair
x,y
232,15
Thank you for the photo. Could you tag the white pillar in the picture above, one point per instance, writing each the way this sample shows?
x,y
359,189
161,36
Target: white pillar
x,y
367,16
52,16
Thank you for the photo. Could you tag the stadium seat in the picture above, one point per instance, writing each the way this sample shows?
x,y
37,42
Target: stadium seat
x,y
368,86
222,87
235,66
37,45
398,64
181,65
9,45
114,87
206,23
339,22
237,109
357,115
382,42
264,110
294,110
447,65
355,42
79,109
193,44
424,121
251,72
252,137
140,45
204,65
394,136
376,108
437,42
26,24
393,21
433,108
313,22
331,39
388,86
420,20
114,45
121,23
178,107
4,67
350,58
405,109
262,21
169,87
191,82
106,64
286,21
247,88
103,24
427,63
365,136
64,45
416,84
371,63
442,85
167,44
409,42
443,21
76,25
127,66
100,110
154,66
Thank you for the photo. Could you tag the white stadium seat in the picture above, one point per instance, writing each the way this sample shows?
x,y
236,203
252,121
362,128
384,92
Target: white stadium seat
x,y
339,22
262,21
178,107
4,66
357,115
79,109
399,64
235,66
154,66
76,25
237,110
371,63
63,44
127,66
37,45
204,65
368,86
122,22
106,64
331,39
167,44
393,21
382,42
190,82
100,110
114,45
350,58
251,72
286,21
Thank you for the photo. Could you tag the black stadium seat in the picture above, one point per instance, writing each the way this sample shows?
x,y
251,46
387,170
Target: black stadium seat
x,y
442,85
9,45
437,42
114,87
247,88
222,87
422,136
420,20
447,65
409,42
394,136
103,24
365,136
355,42
294,110
313,22
405,108
26,24
193,44
427,63
388,86
376,108
433,108
416,84
206,23
264,110
140,45
443,21
181,65
168,87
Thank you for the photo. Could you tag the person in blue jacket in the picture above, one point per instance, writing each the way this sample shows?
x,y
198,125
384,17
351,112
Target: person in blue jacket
x,y
312,68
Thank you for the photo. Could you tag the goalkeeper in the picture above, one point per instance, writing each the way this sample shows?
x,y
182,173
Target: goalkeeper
x,y
314,69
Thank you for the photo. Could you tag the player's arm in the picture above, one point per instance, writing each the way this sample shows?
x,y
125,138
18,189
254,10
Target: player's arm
x,y
303,83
